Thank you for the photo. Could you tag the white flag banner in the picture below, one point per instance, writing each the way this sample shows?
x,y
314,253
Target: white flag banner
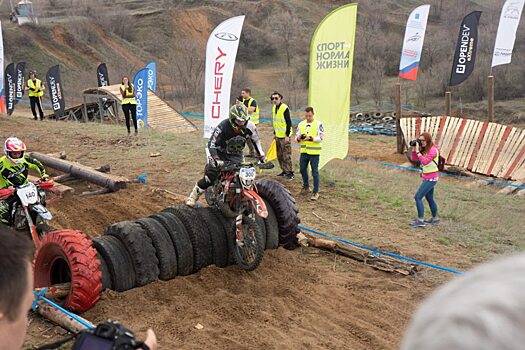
x,y
413,42
2,92
221,51
508,25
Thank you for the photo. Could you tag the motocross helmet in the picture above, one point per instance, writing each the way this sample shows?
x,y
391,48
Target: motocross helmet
x,y
239,113
13,144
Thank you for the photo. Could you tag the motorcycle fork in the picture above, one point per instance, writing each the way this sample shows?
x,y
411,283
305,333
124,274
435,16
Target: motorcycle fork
x,y
32,227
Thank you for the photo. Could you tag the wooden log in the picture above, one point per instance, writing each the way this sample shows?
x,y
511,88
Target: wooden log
x,y
56,290
49,312
400,142
376,262
112,182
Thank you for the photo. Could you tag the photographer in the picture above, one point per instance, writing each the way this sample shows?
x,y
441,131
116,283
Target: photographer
x,y
16,290
428,155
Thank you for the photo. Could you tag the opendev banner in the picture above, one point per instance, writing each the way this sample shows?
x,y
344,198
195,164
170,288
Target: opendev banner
x,y
141,95
331,60
2,92
465,56
19,85
152,76
413,42
102,75
508,25
221,51
9,88
56,92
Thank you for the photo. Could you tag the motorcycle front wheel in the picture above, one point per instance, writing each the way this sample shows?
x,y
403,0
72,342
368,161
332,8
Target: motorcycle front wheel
x,y
248,251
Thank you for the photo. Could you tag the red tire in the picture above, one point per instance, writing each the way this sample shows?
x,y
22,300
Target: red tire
x,y
68,256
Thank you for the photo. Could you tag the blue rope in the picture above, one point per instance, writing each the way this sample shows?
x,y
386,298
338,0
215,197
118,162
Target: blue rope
x,y
379,252
60,308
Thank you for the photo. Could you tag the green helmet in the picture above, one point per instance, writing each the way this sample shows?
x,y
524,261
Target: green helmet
x,y
238,112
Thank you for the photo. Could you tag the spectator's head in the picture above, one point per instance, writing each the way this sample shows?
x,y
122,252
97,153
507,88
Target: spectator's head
x,y
125,80
32,75
309,114
483,310
16,287
246,93
276,98
426,141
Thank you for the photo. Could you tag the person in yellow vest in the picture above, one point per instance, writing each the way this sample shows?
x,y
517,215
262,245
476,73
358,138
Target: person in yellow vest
x,y
310,134
36,89
282,129
253,113
129,104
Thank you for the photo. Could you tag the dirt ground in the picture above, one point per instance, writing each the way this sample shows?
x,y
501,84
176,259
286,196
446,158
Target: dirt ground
x,y
302,299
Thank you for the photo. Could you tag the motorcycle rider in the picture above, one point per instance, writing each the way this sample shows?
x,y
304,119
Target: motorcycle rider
x,y
227,144
14,168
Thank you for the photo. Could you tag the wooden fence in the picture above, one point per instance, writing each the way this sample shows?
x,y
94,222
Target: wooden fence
x,y
481,147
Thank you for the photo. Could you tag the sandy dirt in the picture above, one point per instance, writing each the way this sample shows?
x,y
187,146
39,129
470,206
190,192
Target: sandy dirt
x,y
302,299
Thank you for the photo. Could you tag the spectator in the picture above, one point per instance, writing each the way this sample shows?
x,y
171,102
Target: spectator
x,y
253,113
483,310
129,104
310,135
282,129
36,90
428,155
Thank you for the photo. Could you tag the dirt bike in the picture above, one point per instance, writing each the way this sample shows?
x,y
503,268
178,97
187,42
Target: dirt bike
x,y
29,209
235,194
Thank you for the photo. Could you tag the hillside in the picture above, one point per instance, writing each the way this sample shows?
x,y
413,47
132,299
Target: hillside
x,y
79,34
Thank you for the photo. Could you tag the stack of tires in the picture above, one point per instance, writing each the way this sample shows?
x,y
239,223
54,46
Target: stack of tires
x,y
180,241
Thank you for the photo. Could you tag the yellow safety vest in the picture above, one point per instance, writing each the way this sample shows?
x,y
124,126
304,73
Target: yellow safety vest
x,y
254,117
37,86
279,123
128,99
431,167
310,147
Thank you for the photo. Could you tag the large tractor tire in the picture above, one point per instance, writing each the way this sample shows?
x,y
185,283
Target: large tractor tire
x,y
140,248
118,262
199,235
180,240
106,276
285,210
218,235
68,256
163,246
272,228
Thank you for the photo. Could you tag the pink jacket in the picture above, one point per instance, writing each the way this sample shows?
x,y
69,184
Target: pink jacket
x,y
427,160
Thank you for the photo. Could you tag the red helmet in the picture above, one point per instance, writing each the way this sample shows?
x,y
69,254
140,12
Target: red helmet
x,y
13,144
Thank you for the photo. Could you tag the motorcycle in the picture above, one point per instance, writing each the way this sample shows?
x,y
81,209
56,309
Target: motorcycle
x,y
29,209
235,195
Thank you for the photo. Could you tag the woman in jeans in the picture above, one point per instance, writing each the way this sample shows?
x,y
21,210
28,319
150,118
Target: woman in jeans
x,y
428,155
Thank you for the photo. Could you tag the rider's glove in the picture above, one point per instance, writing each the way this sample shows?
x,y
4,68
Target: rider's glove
x,y
262,158
44,177
219,163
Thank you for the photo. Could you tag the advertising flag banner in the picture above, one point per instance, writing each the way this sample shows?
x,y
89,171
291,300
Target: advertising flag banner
x,y
413,42
508,25
102,75
141,94
19,85
2,93
9,88
152,76
331,60
465,56
56,92
221,51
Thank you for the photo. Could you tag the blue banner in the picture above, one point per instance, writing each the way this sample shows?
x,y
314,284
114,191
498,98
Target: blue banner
x,y
152,76
141,94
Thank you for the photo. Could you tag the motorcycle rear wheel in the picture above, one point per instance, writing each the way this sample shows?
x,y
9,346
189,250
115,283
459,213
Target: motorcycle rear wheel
x,y
249,251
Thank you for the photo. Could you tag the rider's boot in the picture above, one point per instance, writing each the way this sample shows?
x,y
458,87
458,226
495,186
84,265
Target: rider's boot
x,y
194,196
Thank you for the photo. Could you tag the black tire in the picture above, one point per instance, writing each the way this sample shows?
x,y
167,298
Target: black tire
x,y
163,246
106,276
217,234
260,222
140,248
285,210
258,246
180,240
118,261
199,235
272,228
228,225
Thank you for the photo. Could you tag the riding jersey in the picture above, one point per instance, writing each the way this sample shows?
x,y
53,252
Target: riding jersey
x,y
16,174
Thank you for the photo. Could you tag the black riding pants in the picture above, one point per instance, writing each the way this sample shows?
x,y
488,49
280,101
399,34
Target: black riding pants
x,y
36,102
130,112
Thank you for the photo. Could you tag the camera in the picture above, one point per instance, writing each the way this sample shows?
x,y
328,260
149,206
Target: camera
x,y
303,136
109,335
413,143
